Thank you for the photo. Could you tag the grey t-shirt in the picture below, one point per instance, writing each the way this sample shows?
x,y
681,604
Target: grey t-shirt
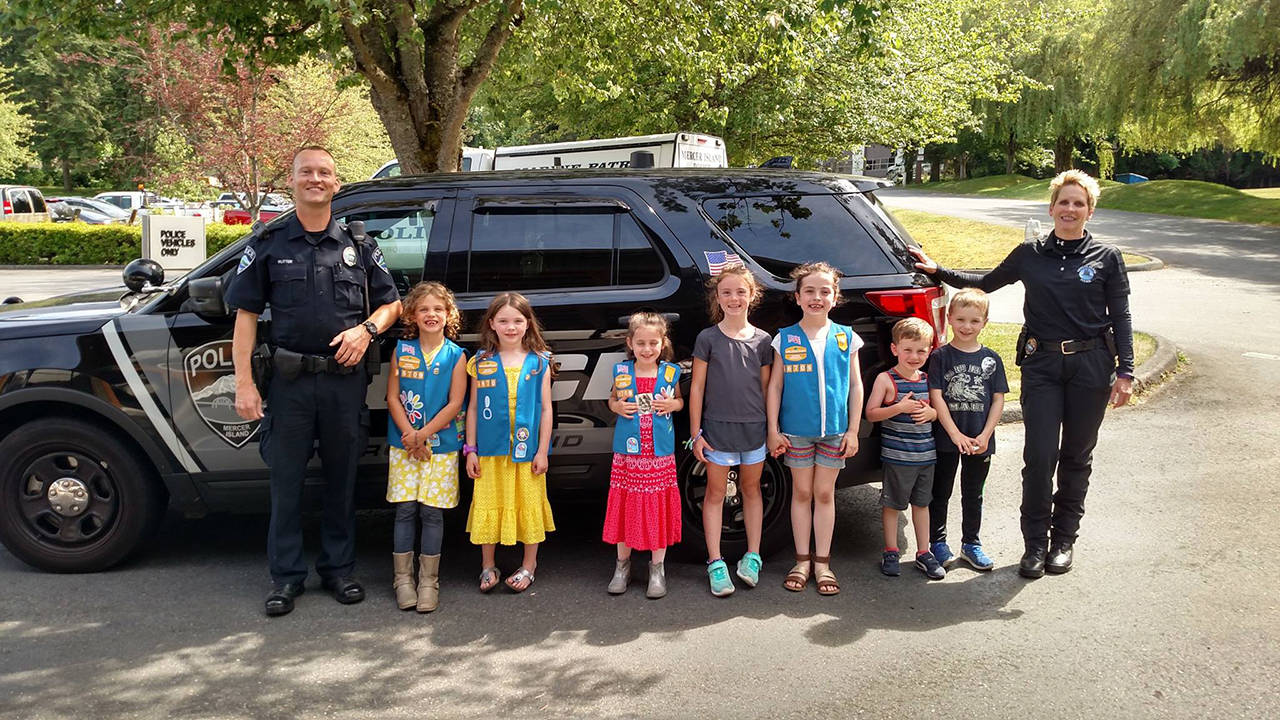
x,y
732,392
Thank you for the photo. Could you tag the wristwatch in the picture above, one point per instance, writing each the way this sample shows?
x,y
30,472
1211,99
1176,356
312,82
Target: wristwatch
x,y
371,328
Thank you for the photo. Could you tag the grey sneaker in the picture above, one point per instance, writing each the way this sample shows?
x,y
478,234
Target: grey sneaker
x,y
928,564
657,581
621,577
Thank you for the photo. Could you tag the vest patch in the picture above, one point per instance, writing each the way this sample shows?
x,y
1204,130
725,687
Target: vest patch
x,y
669,375
622,381
800,368
487,383
633,445
412,374
795,353
842,341
522,434
487,367
409,362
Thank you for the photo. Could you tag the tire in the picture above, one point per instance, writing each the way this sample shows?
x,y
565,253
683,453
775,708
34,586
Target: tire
x,y
121,501
775,490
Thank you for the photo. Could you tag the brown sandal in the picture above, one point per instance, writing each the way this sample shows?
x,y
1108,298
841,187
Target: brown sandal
x,y
827,583
797,579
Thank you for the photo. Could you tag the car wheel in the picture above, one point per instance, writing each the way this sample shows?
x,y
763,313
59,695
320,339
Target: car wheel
x,y
72,498
775,492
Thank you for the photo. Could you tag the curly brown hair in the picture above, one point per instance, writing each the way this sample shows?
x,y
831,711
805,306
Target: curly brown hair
x,y
713,288
533,341
800,272
645,319
420,292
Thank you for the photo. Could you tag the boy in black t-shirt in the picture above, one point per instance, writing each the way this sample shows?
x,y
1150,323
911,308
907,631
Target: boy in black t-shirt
x,y
966,387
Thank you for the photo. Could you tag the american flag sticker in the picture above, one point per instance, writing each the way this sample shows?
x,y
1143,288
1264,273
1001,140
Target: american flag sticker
x,y
718,260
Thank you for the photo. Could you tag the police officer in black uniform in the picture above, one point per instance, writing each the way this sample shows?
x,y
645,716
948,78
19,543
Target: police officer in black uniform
x,y
315,277
1076,354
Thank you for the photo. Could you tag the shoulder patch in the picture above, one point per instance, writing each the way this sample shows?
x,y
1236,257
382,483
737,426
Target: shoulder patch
x,y
246,259
669,374
380,261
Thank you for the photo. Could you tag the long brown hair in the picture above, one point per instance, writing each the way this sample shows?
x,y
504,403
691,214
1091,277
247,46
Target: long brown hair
x,y
420,292
653,320
532,341
713,288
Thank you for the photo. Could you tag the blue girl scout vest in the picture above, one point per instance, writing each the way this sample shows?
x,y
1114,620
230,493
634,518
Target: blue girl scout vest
x,y
424,389
493,426
626,433
799,415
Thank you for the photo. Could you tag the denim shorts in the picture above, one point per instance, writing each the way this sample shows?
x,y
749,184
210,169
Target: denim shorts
x,y
809,451
729,459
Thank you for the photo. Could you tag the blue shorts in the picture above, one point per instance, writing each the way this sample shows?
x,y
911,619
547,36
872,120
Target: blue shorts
x,y
729,459
809,451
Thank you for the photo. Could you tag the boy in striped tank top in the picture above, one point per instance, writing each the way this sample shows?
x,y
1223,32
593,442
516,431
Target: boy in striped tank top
x,y
899,401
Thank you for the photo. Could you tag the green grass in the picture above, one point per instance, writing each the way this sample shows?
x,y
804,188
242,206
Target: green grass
x,y
1187,198
961,243
1002,337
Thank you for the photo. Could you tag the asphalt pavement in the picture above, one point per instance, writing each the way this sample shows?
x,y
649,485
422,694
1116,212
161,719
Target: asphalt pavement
x,y
1170,612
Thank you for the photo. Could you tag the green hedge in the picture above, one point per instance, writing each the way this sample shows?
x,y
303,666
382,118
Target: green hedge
x,y
80,244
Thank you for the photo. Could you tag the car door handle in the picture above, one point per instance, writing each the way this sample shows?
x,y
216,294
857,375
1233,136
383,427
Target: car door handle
x,y
671,318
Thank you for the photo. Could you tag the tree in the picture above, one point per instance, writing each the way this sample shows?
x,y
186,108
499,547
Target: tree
x,y
15,130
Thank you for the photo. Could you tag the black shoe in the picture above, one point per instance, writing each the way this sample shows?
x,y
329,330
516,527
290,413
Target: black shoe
x,y
344,589
1032,565
280,599
1060,557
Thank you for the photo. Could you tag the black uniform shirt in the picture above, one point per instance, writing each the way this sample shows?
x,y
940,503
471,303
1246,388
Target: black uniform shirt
x,y
314,283
1074,290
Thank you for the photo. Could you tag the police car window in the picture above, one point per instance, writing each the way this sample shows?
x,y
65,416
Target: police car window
x,y
782,231
638,261
541,248
402,235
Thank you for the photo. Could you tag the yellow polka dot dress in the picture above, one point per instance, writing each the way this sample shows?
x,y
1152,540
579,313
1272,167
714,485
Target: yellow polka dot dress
x,y
433,481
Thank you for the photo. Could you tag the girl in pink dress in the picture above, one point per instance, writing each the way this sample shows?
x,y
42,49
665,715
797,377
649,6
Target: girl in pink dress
x,y
644,500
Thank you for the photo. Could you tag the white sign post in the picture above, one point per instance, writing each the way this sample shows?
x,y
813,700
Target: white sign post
x,y
177,243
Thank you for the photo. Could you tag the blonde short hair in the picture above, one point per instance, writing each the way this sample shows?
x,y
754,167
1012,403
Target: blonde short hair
x,y
1075,177
970,298
912,328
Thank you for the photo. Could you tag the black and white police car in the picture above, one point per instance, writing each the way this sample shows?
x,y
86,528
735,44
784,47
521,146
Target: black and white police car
x,y
116,405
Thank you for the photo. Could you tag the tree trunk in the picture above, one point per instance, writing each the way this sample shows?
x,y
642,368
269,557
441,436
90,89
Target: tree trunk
x,y
66,175
418,84
962,170
1010,154
1063,148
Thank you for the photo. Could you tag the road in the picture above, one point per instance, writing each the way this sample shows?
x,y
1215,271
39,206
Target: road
x,y
1170,612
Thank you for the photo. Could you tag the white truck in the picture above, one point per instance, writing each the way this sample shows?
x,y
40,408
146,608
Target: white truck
x,y
678,149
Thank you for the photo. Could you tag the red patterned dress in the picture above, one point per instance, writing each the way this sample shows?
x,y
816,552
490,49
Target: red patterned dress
x,y
644,500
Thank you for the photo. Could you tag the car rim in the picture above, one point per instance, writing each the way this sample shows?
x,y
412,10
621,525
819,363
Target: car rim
x,y
67,499
693,488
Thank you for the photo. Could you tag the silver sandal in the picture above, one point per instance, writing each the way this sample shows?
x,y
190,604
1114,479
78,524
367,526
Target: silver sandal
x,y
522,574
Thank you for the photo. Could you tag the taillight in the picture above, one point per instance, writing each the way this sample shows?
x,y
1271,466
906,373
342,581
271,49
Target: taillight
x,y
928,304
8,208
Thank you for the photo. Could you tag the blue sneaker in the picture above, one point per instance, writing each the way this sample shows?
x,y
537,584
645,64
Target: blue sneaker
x,y
718,574
928,564
749,568
942,553
978,560
889,564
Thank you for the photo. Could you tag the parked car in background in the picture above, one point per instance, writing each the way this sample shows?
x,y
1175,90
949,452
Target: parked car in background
x,y
129,199
91,211
235,214
22,203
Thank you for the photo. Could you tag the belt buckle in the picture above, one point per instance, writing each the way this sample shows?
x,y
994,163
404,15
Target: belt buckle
x,y
1063,347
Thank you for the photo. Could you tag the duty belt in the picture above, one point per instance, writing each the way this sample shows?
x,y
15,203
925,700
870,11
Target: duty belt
x,y
291,364
1066,347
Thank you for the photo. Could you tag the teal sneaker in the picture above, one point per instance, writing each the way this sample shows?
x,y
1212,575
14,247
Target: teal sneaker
x,y
749,568
718,574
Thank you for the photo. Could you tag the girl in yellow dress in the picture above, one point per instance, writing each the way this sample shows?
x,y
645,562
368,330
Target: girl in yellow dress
x,y
425,390
509,438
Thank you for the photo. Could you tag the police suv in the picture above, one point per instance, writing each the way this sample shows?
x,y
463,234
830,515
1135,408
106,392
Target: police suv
x,y
116,405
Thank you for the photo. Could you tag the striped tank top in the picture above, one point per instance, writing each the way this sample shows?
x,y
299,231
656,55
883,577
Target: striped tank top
x,y
902,441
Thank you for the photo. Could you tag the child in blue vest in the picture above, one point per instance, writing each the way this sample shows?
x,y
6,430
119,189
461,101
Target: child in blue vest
x,y
509,438
644,501
899,401
425,392
815,408
731,361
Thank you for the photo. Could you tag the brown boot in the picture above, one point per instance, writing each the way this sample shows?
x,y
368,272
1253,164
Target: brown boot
x,y
428,583
402,564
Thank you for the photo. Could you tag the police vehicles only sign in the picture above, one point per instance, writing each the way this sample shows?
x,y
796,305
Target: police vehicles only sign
x,y
177,243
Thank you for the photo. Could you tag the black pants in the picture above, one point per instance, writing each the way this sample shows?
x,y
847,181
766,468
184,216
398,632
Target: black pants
x,y
973,476
1063,400
311,407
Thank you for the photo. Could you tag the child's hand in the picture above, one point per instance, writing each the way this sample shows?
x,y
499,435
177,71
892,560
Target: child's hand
x,y
699,446
923,413
964,443
778,444
981,443
849,444
626,409
664,404
473,466
908,404
539,464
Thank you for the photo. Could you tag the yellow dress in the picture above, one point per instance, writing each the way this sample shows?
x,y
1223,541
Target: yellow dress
x,y
509,503
433,481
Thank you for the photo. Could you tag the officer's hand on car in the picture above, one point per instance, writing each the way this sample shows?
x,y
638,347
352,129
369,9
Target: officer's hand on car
x,y
1121,391
353,342
849,444
924,262
248,401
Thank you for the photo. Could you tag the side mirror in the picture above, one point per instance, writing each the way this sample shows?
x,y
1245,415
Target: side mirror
x,y
141,273
206,297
